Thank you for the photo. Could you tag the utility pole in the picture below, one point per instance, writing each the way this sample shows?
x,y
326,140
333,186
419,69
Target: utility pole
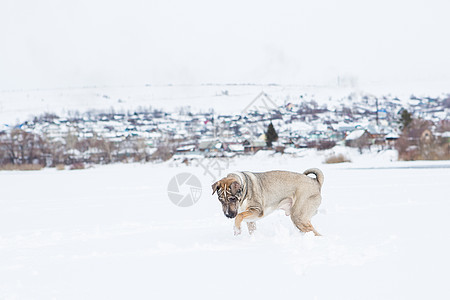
x,y
214,125
376,103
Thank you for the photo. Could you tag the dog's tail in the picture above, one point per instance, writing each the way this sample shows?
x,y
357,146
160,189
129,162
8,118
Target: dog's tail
x,y
317,172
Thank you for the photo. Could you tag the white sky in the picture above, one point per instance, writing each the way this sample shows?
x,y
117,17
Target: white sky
x,y
47,44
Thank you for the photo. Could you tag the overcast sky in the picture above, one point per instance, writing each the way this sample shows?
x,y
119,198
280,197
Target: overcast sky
x,y
47,44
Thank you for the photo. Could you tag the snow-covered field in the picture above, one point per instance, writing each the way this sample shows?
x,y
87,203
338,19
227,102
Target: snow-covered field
x,y
111,232
18,106
21,105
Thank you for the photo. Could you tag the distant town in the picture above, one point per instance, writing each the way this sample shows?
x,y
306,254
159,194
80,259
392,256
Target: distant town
x,y
101,137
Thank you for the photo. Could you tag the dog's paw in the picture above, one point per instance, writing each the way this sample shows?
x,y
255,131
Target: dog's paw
x,y
237,230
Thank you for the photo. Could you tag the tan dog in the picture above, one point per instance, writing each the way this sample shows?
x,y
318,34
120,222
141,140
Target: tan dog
x,y
250,196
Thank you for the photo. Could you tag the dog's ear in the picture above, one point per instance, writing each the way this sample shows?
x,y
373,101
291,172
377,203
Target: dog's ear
x,y
214,187
235,187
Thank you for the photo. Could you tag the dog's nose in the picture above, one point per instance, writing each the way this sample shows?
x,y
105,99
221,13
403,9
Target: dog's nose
x,y
230,215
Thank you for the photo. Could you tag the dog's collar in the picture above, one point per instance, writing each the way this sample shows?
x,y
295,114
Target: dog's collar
x,y
243,181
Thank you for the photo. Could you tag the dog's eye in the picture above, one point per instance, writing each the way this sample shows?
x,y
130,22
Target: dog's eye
x,y
232,199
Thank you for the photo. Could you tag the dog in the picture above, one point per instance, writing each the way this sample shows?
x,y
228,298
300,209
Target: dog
x,y
248,197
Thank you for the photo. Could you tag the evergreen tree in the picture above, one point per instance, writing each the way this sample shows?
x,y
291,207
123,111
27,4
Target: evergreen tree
x,y
405,119
271,135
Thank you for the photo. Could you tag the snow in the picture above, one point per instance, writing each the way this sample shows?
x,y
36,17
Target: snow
x,y
111,232
186,148
236,147
392,135
354,135
21,105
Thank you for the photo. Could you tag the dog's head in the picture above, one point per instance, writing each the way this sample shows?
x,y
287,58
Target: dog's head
x,y
229,192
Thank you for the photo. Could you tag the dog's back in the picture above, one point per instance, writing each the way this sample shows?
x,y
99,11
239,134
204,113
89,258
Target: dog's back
x,y
273,187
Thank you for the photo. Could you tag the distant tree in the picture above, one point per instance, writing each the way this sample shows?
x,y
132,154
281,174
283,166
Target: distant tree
x,y
443,126
446,102
417,142
325,144
22,147
163,152
271,135
405,119
363,142
347,111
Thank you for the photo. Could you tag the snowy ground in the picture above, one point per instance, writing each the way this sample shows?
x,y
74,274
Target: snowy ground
x,y
112,233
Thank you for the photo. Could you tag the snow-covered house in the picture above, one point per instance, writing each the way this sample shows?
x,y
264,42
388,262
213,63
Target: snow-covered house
x,y
391,138
210,145
254,145
237,148
185,149
358,138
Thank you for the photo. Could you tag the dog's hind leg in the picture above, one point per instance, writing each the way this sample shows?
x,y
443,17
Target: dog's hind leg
x,y
303,211
251,226
306,227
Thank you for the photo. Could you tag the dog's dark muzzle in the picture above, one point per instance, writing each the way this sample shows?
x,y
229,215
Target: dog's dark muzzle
x,y
230,215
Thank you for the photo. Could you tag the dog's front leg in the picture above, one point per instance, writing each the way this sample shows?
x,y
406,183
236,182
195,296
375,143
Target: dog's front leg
x,y
251,213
